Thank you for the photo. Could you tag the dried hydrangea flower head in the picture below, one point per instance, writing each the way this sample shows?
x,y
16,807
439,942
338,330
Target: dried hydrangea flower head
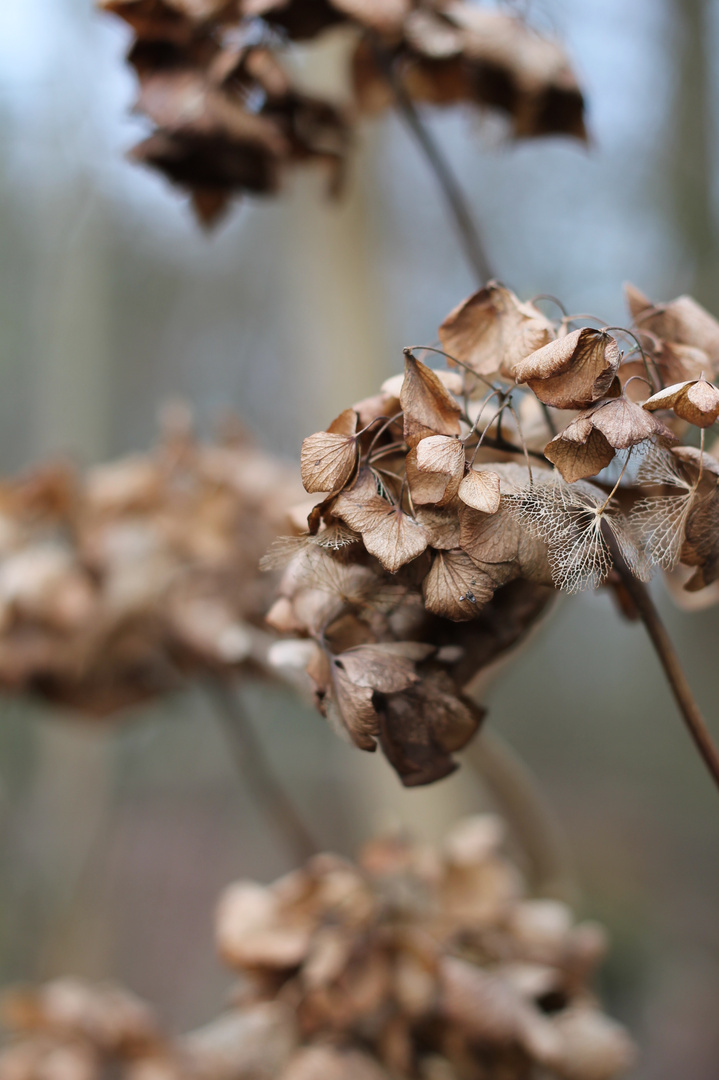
x,y
120,582
422,961
72,1030
441,528
416,962
229,120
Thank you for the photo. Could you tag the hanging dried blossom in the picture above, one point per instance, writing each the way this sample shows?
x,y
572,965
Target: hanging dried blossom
x,y
228,120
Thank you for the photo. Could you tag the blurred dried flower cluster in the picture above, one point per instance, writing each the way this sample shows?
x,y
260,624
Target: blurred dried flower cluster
x,y
228,118
419,962
441,528
119,582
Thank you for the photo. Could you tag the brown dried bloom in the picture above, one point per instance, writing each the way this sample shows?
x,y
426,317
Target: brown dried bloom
x,y
450,52
72,1030
441,531
423,961
415,962
228,120
123,581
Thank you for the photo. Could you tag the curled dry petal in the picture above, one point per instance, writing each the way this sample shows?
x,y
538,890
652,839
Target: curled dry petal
x,y
389,533
436,469
389,667
329,458
682,321
480,490
588,444
573,371
579,451
429,409
421,727
696,401
492,331
455,587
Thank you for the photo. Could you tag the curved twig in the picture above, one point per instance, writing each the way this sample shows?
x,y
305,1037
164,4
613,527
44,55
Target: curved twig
x,y
256,772
466,228
668,658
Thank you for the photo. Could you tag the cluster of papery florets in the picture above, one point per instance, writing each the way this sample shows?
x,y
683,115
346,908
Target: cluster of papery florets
x,y
416,963
229,118
122,581
442,527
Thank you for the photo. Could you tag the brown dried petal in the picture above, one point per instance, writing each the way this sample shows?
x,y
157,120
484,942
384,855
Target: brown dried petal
x,y
579,451
695,401
683,321
492,331
388,532
426,488
455,588
252,930
420,727
441,526
428,407
573,371
328,461
624,424
480,490
389,667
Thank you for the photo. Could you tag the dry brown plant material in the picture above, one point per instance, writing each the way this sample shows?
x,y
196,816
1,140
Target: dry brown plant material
x,y
443,503
418,956
573,371
229,121
492,331
124,581
450,52
696,401
590,442
416,961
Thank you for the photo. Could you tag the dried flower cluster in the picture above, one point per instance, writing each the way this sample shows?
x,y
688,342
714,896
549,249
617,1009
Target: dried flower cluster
x,y
229,119
119,582
442,529
418,962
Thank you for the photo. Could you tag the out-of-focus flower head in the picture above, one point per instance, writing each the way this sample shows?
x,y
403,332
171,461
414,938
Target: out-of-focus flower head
x,y
418,962
124,580
228,119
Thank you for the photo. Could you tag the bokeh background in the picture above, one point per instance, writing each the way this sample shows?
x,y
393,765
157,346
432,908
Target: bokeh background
x,y
115,841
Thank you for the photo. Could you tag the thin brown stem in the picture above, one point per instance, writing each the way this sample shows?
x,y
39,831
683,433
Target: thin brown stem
x,y
255,771
466,228
668,658
529,815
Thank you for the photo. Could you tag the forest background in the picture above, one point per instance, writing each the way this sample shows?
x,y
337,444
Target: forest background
x,y
115,842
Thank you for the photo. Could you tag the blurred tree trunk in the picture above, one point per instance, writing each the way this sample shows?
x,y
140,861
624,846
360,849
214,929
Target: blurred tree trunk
x,y
691,164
